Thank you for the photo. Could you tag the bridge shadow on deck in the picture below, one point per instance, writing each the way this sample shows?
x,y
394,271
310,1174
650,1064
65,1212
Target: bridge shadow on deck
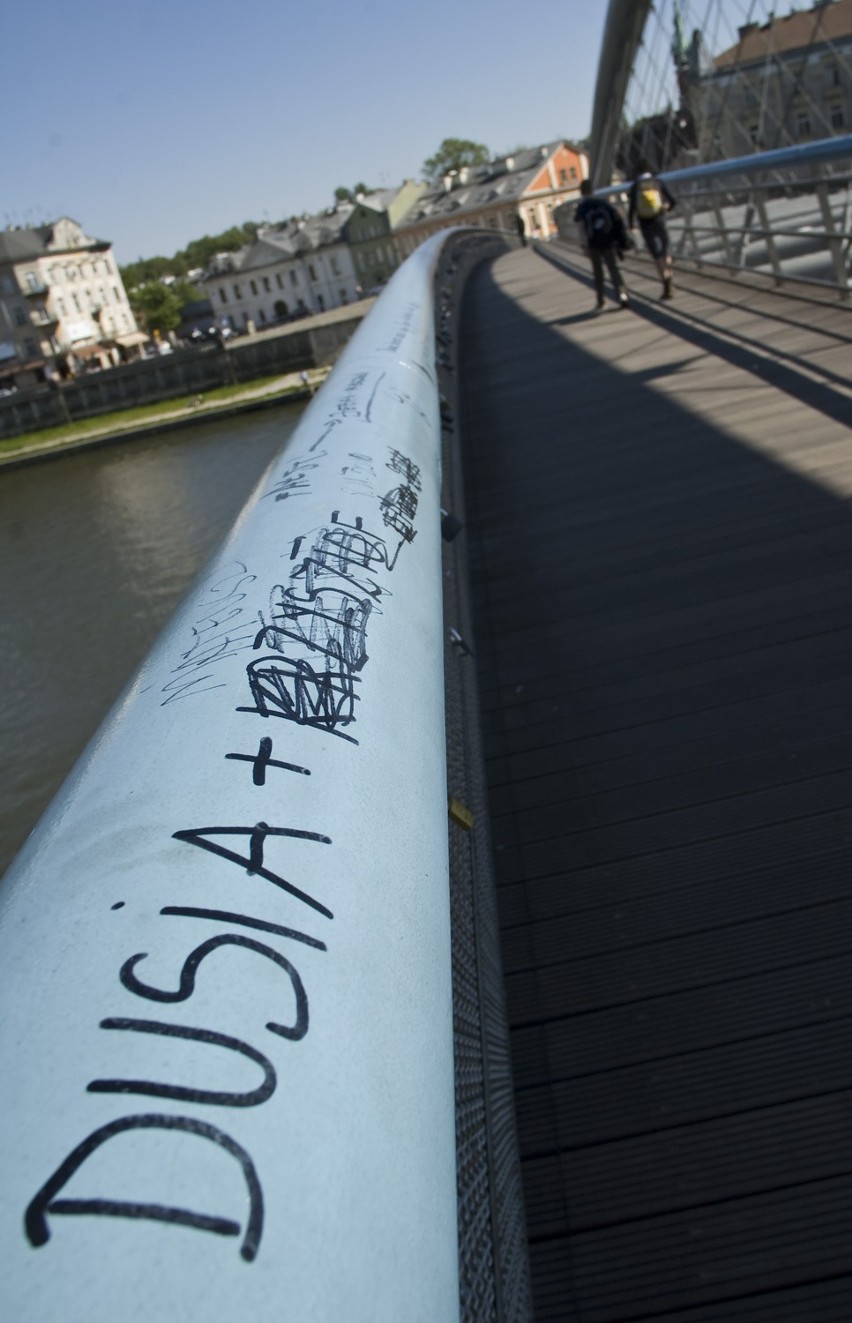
x,y
664,644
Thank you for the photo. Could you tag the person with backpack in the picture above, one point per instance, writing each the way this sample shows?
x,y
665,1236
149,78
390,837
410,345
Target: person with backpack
x,y
602,237
649,201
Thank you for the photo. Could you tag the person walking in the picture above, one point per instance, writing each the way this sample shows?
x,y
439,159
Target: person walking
x,y
602,238
649,201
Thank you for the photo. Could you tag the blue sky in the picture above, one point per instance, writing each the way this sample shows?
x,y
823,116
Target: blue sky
x,y
154,122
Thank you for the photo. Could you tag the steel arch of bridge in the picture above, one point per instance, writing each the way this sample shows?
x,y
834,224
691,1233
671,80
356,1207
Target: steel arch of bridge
x,y
625,23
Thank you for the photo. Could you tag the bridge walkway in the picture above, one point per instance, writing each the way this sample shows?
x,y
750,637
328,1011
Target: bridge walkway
x,y
661,559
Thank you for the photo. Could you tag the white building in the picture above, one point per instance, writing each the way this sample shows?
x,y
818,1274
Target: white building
x,y
62,303
302,266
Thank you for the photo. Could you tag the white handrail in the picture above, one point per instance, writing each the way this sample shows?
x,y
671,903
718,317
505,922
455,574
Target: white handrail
x,y
227,1054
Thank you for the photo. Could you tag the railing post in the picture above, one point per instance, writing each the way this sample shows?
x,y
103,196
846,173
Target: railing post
x,y
833,239
768,237
723,230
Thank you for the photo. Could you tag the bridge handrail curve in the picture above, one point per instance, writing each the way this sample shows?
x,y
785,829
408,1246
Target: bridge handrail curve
x,y
717,191
268,799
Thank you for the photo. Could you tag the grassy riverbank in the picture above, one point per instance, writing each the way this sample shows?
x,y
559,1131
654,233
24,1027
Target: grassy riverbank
x,y
165,414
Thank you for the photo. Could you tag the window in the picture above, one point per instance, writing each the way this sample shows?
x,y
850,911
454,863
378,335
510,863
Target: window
x,y
223,295
266,285
321,302
837,120
335,267
31,347
803,124
20,319
311,272
61,306
116,294
261,314
253,288
563,176
294,278
279,280
237,293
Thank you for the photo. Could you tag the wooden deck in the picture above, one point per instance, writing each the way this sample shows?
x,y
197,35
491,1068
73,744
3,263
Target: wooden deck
x,y
661,542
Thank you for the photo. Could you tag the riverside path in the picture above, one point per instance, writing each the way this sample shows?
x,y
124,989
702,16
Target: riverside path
x,y
661,563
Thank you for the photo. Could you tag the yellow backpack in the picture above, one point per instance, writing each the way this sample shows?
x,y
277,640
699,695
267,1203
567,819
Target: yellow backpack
x,y
649,200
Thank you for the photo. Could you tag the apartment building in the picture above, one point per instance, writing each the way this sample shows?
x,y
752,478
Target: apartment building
x,y
522,189
785,81
301,266
63,306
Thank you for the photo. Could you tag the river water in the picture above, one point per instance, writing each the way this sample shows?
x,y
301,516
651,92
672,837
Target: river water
x,y
96,551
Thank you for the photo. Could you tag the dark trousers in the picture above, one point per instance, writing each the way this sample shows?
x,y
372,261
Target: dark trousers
x,y
599,256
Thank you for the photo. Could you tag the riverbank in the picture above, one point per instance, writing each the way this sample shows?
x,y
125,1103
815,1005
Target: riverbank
x,y
130,424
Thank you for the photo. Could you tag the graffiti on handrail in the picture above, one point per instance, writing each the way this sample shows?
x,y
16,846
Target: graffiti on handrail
x,y
224,630
312,644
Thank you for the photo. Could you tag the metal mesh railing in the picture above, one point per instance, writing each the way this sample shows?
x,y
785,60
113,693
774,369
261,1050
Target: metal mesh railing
x,y
493,1263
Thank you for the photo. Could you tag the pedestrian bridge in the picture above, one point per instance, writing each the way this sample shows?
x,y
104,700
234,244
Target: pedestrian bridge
x,y
661,546
634,1100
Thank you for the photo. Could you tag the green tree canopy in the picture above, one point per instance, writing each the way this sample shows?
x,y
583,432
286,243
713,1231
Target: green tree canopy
x,y
452,154
196,254
157,306
344,194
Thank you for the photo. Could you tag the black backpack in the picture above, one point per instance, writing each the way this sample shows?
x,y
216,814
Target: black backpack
x,y
599,224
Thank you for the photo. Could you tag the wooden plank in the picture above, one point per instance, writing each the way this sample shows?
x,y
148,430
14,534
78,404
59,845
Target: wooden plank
x,y
661,550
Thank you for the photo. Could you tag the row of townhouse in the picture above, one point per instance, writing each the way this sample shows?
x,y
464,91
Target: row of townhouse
x,y
316,263
63,306
787,80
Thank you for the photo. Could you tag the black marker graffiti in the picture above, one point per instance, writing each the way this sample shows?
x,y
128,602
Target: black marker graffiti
x,y
359,477
406,468
245,921
218,1097
295,480
332,622
399,507
45,1201
368,412
263,759
314,641
293,689
186,979
253,863
219,634
405,323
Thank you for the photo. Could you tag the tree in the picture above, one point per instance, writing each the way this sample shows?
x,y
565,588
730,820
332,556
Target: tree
x,y
195,254
344,194
157,306
452,154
